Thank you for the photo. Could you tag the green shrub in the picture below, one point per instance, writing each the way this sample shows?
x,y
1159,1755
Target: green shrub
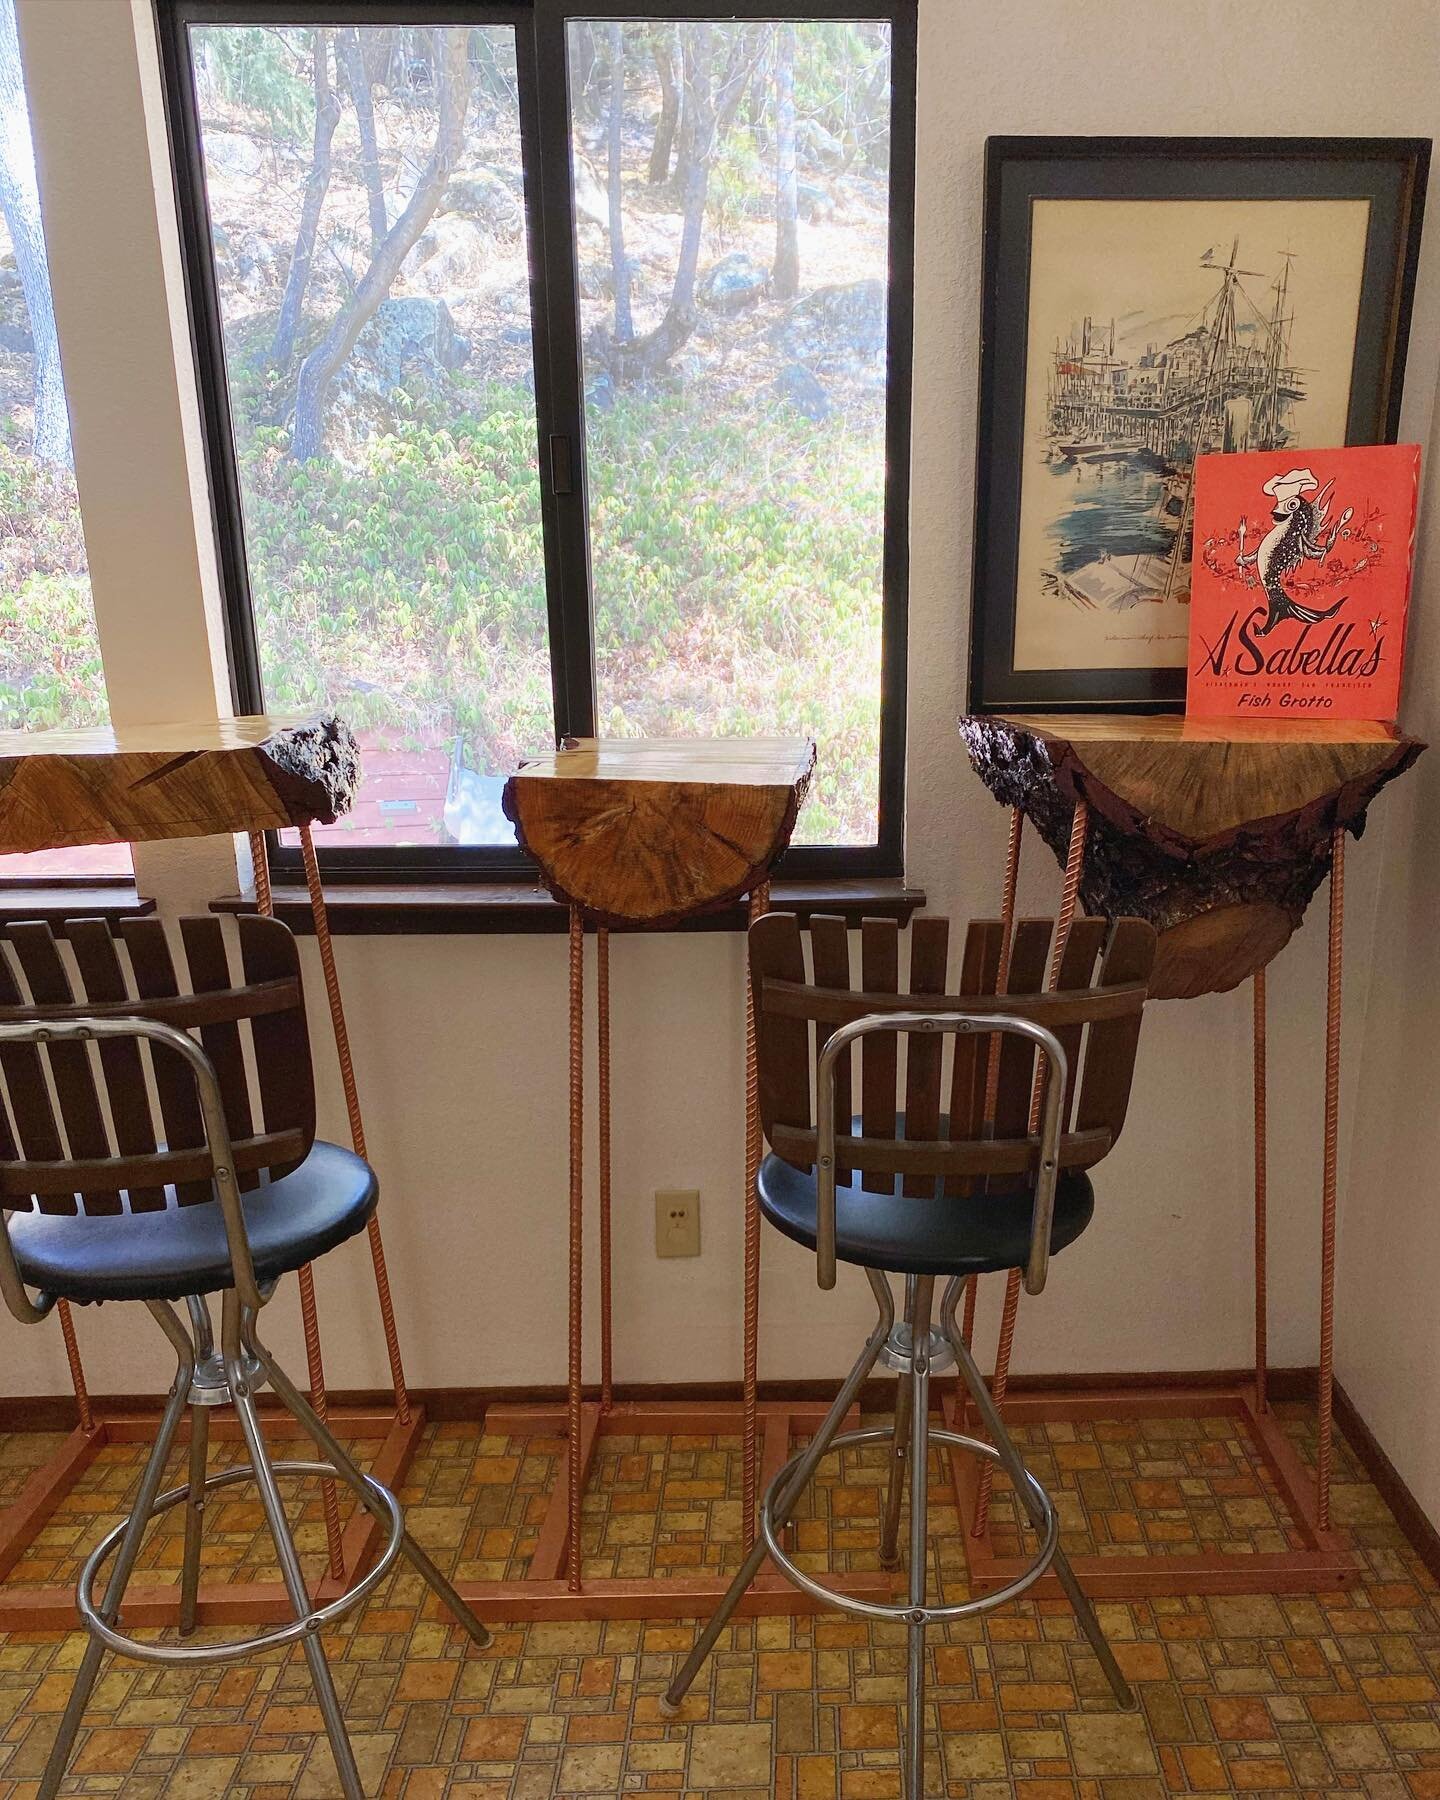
x,y
50,673
734,591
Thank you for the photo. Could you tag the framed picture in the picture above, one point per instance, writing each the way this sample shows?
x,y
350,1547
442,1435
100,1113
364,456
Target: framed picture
x,y
1147,301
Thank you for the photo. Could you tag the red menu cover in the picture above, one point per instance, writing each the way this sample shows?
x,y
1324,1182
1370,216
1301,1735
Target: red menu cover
x,y
1300,582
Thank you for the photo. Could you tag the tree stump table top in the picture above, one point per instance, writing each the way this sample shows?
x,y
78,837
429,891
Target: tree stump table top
x,y
1217,831
147,782
651,831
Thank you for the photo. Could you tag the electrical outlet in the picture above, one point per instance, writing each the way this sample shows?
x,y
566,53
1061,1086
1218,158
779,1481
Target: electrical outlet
x,y
677,1221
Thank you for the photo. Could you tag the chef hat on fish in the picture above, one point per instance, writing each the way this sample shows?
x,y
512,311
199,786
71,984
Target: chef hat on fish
x,y
1298,481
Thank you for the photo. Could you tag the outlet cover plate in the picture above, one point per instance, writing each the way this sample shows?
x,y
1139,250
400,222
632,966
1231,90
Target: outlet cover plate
x,y
677,1221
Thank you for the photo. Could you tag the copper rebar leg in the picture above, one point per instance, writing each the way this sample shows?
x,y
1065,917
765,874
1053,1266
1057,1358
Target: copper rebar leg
x,y
77,1368
319,1399
309,1313
576,1370
1002,975
992,1066
1262,1400
1325,1449
602,1007
310,1316
260,864
1069,897
750,1448
357,1125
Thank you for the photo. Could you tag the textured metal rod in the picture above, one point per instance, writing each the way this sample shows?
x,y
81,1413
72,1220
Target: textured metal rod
x,y
750,1446
320,1400
77,1368
1325,1449
1069,899
1262,1399
321,916
576,1370
992,1065
260,865
1002,975
309,1312
602,1027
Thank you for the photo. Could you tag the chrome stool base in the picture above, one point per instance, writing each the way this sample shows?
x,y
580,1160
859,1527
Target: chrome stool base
x,y
205,1378
210,1385
316,1620
907,1614
898,1350
910,1438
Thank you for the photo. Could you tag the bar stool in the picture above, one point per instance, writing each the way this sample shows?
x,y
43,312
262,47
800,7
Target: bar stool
x,y
999,1179
225,1197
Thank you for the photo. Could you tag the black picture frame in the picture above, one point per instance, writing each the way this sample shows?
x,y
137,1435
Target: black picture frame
x,y
1390,172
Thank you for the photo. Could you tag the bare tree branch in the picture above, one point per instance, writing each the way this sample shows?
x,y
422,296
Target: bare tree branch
x,y
785,275
317,183
619,268
325,361
357,79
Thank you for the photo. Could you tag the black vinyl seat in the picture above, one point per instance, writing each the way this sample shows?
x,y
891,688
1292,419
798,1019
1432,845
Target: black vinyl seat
x,y
976,1234
184,1250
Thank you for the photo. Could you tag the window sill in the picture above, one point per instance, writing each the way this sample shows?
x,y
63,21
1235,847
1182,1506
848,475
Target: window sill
x,y
434,909
112,901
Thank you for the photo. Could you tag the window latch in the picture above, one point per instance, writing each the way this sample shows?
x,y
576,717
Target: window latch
x,y
562,472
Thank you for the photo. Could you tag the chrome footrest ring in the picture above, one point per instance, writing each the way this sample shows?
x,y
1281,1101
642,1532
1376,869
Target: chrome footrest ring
x,y
317,1619
903,1612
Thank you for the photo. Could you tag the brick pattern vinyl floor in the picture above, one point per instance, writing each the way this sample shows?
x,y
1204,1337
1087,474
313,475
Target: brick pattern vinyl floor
x,y
1324,1696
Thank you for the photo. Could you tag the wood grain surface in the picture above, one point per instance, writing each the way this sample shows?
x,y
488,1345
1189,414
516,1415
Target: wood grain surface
x,y
1216,831
652,831
61,788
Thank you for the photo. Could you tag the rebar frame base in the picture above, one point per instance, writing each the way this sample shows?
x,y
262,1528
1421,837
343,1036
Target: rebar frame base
x,y
51,1605
554,1587
1323,1560
545,1593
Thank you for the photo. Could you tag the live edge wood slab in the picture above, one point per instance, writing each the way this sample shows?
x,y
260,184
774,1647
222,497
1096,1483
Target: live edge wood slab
x,y
147,782
650,831
1217,831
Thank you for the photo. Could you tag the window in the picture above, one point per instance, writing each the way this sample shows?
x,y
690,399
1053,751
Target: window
x,y
556,378
50,673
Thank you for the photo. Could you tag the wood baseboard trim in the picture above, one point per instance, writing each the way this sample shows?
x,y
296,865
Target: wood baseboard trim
x,y
1410,1516
56,1412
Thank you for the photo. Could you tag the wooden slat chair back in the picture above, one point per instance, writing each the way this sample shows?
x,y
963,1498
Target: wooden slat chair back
x,y
106,1128
938,1084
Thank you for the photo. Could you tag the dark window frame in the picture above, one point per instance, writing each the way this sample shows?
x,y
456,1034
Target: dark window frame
x,y
543,83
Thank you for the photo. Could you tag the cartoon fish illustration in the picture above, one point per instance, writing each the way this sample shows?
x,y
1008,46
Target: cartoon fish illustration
x,y
1295,537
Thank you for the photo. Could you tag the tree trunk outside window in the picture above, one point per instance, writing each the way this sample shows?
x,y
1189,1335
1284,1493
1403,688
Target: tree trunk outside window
x,y
320,367
785,278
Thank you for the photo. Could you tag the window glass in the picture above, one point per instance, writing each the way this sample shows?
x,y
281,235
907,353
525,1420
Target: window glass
x,y
50,673
732,222
368,287
365,192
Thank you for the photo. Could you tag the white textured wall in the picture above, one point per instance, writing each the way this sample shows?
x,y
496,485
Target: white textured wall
x,y
1389,1258
461,1041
